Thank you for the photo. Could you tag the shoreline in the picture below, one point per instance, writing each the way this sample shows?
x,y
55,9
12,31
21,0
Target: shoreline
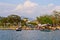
x,y
7,29
12,28
15,29
22,29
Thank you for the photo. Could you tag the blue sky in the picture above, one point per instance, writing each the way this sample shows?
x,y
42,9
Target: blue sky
x,y
28,8
42,2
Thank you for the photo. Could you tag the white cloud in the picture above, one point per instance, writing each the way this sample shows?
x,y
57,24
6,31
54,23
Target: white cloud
x,y
27,7
50,5
29,4
57,8
19,7
34,8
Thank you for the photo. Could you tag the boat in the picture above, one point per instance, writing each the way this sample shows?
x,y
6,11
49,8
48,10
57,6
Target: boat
x,y
18,29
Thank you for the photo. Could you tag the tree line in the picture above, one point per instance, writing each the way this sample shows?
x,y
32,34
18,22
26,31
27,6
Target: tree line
x,y
11,20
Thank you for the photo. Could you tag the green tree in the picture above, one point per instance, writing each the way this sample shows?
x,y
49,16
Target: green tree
x,y
44,19
57,17
4,21
14,19
24,21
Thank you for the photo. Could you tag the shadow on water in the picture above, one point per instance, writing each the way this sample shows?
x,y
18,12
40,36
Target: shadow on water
x,y
46,30
49,30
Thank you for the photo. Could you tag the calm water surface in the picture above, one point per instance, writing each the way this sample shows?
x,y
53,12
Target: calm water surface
x,y
29,35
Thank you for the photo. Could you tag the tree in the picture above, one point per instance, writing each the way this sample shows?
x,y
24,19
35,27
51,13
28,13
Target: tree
x,y
24,21
14,19
4,21
57,17
44,19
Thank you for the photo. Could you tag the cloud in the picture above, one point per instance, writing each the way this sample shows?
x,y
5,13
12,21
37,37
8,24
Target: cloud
x,y
34,9
57,8
28,9
28,4
50,5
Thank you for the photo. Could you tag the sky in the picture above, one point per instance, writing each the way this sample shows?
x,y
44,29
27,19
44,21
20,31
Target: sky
x,y
28,8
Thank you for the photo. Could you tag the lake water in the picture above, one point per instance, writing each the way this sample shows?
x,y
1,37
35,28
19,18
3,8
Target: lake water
x,y
29,35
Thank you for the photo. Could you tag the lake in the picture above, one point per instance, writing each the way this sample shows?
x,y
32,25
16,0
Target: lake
x,y
29,35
